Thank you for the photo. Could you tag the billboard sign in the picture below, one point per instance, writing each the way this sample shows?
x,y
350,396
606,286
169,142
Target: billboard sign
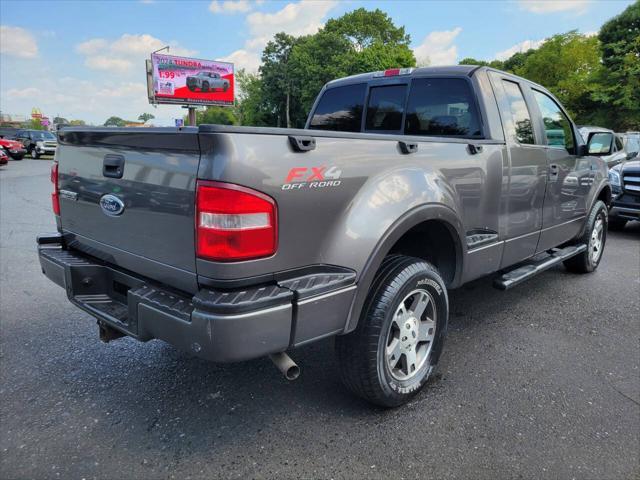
x,y
190,81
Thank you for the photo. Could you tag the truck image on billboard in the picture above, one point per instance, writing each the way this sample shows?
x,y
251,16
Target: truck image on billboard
x,y
191,81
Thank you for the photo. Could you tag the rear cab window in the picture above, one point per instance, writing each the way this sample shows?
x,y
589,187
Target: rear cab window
x,y
340,109
425,106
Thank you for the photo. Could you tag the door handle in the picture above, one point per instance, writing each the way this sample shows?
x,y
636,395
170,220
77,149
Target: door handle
x,y
113,166
408,147
302,144
553,171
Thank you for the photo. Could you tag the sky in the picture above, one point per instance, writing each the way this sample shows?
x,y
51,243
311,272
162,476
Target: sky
x,y
85,59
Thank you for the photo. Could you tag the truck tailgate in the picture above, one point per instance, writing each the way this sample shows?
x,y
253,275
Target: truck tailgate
x,y
127,196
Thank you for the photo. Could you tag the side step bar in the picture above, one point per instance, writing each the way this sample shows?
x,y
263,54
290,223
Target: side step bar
x,y
536,265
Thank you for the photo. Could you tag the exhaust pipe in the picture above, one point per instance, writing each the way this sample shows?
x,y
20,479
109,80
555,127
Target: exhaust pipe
x,y
288,367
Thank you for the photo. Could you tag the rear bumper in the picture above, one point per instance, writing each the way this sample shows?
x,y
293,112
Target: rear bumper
x,y
222,326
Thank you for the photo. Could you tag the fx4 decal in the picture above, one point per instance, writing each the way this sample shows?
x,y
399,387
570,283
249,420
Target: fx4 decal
x,y
312,177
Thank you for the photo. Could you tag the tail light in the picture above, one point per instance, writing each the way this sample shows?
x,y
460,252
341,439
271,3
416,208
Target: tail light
x,y
55,196
234,222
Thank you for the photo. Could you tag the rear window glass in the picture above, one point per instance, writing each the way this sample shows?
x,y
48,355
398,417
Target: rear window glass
x,y
340,109
442,107
385,107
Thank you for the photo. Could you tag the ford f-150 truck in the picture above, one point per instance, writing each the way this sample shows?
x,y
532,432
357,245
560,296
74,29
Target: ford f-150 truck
x,y
236,242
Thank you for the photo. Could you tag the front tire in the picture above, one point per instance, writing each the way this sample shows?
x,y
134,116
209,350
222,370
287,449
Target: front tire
x,y
34,153
595,237
205,87
400,335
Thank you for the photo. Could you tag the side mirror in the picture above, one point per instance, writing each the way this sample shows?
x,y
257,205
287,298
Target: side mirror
x,y
600,143
632,155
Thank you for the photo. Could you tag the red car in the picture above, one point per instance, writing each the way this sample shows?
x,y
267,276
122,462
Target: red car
x,y
13,148
4,158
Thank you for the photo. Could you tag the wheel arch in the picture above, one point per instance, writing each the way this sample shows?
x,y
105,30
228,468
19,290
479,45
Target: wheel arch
x,y
426,226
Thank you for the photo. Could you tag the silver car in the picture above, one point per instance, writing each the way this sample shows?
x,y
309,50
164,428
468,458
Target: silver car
x,y
206,81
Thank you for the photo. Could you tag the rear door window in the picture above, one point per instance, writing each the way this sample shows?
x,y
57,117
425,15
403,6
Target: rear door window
x,y
442,107
385,108
340,109
519,113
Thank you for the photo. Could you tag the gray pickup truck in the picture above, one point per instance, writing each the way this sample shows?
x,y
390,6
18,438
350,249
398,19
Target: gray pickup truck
x,y
236,242
205,81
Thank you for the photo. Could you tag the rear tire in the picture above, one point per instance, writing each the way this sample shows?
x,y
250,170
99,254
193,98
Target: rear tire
x,y
617,224
595,237
389,357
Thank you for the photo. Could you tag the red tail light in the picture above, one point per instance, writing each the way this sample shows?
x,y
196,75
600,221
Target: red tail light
x,y
55,197
234,222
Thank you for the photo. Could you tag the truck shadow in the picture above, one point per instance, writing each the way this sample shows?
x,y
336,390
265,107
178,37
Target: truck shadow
x,y
181,402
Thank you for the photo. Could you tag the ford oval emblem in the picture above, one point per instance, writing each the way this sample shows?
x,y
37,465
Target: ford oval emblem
x,y
111,205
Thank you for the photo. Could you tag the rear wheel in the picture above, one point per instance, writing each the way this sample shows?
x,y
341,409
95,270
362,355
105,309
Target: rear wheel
x,y
399,338
595,237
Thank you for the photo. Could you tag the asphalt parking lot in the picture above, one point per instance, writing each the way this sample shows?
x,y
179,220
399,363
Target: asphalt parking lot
x,y
542,381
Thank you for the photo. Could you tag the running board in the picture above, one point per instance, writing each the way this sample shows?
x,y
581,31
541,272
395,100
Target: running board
x,y
536,265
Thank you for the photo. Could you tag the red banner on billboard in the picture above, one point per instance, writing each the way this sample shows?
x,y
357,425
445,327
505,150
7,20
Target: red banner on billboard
x,y
191,81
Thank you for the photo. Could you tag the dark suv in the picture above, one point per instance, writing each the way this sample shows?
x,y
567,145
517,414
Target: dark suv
x,y
625,187
38,142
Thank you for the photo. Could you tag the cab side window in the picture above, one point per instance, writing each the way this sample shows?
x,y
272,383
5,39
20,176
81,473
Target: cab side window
x,y
385,108
340,109
519,113
442,107
557,126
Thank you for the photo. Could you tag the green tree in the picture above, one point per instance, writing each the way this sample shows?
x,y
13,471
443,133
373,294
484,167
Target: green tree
x,y
568,65
250,107
77,122
145,116
58,120
35,124
620,76
115,122
217,116
363,28
276,72
359,41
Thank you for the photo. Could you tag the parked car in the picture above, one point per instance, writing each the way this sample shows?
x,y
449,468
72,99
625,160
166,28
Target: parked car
x,y
8,132
618,144
4,158
625,185
13,148
206,81
404,184
38,142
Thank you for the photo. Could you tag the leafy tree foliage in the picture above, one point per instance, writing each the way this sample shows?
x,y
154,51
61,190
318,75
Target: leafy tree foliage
x,y
115,122
145,117
620,77
568,65
216,115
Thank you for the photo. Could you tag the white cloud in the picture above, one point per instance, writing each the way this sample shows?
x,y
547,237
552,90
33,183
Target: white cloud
x,y
125,53
247,59
302,18
437,48
229,6
17,42
519,47
93,46
553,6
